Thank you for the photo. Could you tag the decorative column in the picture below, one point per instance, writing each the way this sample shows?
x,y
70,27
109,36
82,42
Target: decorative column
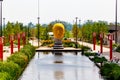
x,y
94,40
101,43
110,39
11,43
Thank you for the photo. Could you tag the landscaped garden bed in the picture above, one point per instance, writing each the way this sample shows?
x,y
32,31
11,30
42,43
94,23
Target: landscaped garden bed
x,y
16,63
109,70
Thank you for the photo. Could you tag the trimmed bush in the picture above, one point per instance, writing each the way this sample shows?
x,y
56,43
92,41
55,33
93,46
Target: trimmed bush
x,y
28,50
118,49
89,54
19,58
110,71
97,59
16,63
5,76
11,68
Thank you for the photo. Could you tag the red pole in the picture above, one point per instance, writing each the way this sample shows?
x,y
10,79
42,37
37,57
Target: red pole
x,y
18,42
94,40
101,43
11,43
1,49
110,38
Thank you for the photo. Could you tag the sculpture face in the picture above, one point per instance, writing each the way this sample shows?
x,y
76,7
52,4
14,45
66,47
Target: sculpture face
x,y
58,30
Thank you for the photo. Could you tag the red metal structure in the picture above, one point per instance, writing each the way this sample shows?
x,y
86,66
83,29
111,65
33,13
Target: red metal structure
x,y
94,40
11,43
101,43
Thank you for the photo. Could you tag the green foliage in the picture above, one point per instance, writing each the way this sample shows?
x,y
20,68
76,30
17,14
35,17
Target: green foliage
x,y
16,63
16,42
67,34
89,54
70,44
11,68
118,48
89,27
111,71
47,42
19,58
85,48
5,76
28,50
97,59
75,31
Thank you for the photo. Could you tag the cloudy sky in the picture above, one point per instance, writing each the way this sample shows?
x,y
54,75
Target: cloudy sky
x,y
26,11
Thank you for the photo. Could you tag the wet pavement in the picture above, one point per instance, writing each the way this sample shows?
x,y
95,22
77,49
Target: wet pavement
x,y
66,67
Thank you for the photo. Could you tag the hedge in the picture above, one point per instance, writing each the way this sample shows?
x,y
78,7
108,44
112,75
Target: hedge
x,y
19,58
5,76
110,71
11,68
16,63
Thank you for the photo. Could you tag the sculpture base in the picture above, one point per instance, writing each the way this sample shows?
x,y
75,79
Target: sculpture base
x,y
58,45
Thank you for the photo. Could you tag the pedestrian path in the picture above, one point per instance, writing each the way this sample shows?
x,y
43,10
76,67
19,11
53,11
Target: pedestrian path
x,y
7,51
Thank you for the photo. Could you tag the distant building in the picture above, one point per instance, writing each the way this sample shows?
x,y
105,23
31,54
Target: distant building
x,y
50,34
112,31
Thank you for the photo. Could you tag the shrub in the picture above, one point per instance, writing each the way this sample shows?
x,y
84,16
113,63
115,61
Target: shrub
x,y
111,71
28,50
16,63
89,54
19,58
85,48
11,68
118,49
5,76
97,59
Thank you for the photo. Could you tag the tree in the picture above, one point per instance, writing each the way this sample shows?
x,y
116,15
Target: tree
x,y
89,27
75,30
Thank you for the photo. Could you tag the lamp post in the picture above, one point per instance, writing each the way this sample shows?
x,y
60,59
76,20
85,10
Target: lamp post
x,y
79,24
116,22
76,32
38,24
1,18
4,26
38,31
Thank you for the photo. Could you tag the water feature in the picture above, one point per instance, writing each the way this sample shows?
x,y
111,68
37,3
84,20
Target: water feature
x,y
67,67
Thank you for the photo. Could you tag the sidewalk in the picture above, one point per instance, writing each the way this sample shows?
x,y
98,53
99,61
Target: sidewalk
x,y
106,51
7,51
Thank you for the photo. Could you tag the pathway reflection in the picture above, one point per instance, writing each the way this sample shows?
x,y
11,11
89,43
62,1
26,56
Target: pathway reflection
x,y
59,75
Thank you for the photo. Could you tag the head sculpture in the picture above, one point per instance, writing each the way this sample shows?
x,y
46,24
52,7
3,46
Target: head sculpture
x,y
58,30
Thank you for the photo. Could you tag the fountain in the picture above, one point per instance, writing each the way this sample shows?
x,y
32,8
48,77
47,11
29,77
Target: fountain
x,y
58,32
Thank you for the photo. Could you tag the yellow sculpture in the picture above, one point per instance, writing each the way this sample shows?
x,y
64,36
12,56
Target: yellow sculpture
x,y
58,30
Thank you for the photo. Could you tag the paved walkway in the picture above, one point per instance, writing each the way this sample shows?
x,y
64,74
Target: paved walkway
x,y
7,52
106,51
